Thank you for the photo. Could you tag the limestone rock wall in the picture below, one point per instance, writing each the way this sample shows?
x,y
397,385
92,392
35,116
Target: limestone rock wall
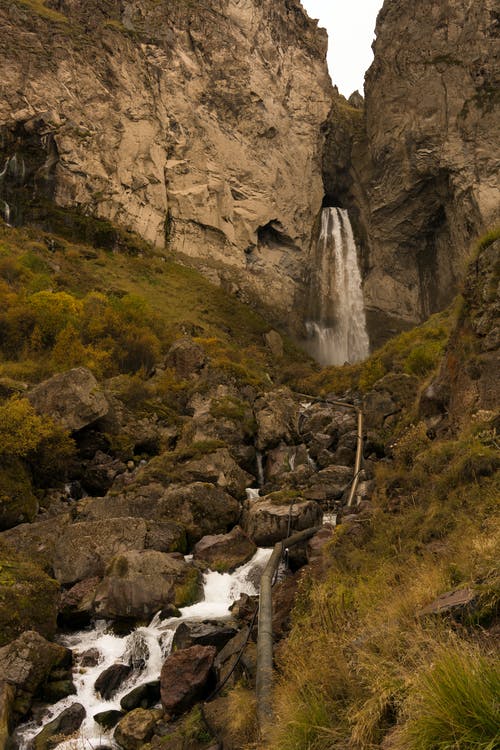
x,y
423,177
197,124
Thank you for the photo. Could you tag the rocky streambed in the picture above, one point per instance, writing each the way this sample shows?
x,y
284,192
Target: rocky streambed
x,y
163,501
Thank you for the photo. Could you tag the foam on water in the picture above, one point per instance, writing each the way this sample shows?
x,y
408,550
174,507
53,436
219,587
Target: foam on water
x,y
152,644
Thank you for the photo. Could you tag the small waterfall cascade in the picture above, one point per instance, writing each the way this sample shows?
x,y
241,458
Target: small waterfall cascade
x,y
336,326
145,649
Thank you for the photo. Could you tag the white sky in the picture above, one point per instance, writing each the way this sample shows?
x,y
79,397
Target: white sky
x,y
351,26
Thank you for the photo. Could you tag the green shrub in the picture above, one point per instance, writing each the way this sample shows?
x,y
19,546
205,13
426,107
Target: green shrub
x,y
21,429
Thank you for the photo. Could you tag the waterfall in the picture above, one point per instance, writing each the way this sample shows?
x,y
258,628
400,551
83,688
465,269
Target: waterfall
x,y
336,326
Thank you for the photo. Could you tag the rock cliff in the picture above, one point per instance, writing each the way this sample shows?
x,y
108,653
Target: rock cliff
x,y
421,179
198,125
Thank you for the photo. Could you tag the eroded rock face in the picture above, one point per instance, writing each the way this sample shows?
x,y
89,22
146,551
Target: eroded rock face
x,y
432,146
140,583
467,380
266,521
72,398
26,664
178,120
225,552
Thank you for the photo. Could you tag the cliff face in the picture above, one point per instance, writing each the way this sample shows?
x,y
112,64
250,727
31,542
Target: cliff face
x,y
423,180
197,125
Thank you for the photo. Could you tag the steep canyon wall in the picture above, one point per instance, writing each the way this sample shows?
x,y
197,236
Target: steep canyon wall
x,y
196,124
419,168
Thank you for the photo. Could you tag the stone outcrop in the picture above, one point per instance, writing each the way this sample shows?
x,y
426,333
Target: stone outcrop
x,y
28,598
225,552
467,380
200,508
197,125
418,170
73,398
140,583
266,521
26,664
277,415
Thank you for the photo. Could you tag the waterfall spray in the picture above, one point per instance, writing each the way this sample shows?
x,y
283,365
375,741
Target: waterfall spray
x,y
337,324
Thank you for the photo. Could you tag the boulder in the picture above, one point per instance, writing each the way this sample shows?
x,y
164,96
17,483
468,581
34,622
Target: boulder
x,y
139,583
142,696
36,541
186,357
283,460
64,725
202,634
267,521
186,676
277,416
219,468
111,679
28,597
329,483
136,728
100,472
165,536
84,549
76,605
27,663
457,604
316,545
108,719
225,552
201,508
89,658
226,659
72,398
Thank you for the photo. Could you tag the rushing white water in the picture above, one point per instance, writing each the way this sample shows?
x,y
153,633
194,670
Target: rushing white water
x,y
337,326
146,648
252,493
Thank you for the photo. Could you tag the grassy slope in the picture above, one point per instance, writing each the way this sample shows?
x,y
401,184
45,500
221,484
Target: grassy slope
x,y
145,292
361,667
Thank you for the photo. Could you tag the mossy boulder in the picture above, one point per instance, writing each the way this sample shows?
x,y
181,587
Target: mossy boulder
x,y
139,583
28,598
28,663
18,504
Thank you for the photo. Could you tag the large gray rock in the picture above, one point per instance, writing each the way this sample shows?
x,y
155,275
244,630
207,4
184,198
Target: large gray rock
x,y
219,468
277,415
283,460
225,552
72,398
266,521
27,663
201,508
140,583
186,357
83,549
